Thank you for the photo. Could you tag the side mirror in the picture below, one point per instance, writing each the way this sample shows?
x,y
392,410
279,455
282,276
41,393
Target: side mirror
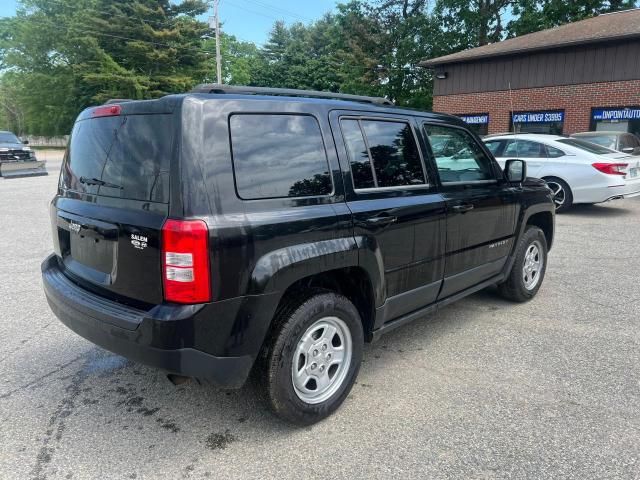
x,y
629,150
515,170
25,142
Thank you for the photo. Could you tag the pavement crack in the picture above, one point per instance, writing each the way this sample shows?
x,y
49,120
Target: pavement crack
x,y
40,378
57,422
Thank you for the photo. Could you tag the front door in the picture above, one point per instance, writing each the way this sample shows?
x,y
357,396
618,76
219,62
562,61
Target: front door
x,y
397,212
481,208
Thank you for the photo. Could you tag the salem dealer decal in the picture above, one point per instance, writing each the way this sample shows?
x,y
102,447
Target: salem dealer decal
x,y
616,113
538,117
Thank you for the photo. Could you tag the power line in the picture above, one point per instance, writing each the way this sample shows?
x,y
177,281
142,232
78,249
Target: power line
x,y
284,11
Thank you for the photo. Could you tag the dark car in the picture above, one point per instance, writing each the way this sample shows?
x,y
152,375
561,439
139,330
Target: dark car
x,y
16,158
216,234
620,141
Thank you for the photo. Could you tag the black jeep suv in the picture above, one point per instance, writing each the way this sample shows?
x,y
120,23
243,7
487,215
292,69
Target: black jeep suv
x,y
236,229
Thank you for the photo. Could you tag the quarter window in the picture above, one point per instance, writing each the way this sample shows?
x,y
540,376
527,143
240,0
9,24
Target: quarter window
x,y
553,152
458,157
278,156
387,146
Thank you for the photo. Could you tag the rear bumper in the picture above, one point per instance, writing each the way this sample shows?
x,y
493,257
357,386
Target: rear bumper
x,y
163,337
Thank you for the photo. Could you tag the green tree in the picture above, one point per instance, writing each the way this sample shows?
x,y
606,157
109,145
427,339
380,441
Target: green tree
x,y
68,54
534,15
471,23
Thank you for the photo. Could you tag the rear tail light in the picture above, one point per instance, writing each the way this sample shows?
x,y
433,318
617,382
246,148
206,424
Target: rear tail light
x,y
611,168
185,261
106,111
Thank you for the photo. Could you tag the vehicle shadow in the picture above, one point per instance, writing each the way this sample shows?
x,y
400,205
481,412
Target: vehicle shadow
x,y
597,211
105,391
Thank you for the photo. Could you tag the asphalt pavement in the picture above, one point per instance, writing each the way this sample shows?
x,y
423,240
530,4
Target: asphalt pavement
x,y
483,389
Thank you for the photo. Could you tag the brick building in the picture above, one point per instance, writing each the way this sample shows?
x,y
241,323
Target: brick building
x,y
577,77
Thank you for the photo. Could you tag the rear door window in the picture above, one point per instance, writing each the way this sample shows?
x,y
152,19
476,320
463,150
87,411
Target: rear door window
x,y
524,149
277,156
121,156
382,153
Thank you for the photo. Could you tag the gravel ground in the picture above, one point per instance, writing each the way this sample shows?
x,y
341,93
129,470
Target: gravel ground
x,y
484,389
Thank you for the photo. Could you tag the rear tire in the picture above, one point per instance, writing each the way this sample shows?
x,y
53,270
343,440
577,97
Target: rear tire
x,y
562,194
528,269
313,357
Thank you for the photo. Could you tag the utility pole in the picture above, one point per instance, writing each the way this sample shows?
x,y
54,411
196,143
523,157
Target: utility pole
x,y
218,57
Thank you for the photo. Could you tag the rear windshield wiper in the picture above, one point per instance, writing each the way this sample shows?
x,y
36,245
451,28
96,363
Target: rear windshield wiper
x,y
101,183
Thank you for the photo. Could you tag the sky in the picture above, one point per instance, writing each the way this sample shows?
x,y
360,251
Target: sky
x,y
249,20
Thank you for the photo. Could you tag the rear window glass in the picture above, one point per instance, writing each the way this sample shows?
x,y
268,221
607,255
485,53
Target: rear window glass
x,y
277,156
586,146
121,156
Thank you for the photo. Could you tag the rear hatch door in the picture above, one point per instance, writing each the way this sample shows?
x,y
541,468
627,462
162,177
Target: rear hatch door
x,y
112,203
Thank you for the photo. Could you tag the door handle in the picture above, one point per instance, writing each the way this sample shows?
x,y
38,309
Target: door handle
x,y
381,221
465,207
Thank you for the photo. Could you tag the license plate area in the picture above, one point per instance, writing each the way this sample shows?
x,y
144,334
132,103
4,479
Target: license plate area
x,y
633,172
89,248
93,252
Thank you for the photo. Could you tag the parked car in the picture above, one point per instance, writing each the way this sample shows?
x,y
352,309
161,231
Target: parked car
x,y
276,231
576,170
621,141
17,159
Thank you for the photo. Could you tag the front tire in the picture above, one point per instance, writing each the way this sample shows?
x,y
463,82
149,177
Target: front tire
x,y
562,194
528,269
314,357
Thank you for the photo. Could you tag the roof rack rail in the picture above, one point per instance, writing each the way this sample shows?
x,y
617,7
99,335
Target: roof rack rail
x,y
288,92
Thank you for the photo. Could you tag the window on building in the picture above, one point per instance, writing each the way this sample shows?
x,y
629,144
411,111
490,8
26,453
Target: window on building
x,y
619,119
392,151
546,121
458,157
278,156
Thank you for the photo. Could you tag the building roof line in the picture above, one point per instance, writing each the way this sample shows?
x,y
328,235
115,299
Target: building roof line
x,y
624,25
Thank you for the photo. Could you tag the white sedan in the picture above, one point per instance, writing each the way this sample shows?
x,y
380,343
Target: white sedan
x,y
576,170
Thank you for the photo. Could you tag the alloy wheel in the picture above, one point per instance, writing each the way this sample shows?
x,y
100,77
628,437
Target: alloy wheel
x,y
559,194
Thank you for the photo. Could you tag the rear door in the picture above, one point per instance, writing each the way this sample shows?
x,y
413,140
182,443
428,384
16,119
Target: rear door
x,y
481,208
534,153
112,202
397,211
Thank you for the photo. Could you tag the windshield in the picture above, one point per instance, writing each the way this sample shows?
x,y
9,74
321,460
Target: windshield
x,y
7,137
120,156
586,146
608,141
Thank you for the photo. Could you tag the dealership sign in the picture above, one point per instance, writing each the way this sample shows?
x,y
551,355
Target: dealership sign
x,y
475,119
616,114
538,117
